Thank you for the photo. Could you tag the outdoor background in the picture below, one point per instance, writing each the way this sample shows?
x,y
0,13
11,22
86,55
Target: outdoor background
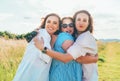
x,y
18,17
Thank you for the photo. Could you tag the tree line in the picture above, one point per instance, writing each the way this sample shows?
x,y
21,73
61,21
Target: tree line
x,y
9,35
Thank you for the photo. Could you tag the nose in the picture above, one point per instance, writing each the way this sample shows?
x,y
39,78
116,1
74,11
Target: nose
x,y
50,24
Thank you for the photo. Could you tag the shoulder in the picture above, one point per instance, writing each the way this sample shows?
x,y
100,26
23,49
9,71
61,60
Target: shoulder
x,y
65,34
86,36
62,37
43,32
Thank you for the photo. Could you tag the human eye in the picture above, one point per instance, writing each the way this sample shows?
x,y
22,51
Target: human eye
x,y
84,20
54,22
78,19
48,21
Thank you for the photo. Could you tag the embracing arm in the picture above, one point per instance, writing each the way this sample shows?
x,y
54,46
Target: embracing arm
x,y
64,57
87,59
57,55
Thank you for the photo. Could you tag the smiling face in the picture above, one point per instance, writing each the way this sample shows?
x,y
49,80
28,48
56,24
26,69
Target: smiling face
x,y
67,26
82,22
52,24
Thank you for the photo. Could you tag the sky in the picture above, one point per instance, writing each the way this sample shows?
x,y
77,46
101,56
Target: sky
x,y
22,16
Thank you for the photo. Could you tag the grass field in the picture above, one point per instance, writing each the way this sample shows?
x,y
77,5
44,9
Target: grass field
x,y
109,69
11,52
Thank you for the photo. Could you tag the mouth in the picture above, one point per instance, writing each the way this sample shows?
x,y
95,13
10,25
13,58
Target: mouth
x,y
50,28
69,32
81,26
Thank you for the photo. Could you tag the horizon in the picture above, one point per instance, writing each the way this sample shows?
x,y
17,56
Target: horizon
x,y
24,16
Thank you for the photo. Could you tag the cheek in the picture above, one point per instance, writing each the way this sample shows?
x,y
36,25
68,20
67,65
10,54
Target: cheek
x,y
54,27
57,26
76,24
72,29
86,25
63,30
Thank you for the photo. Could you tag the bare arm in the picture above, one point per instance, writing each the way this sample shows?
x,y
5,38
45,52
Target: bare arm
x,y
59,56
67,44
62,57
65,57
87,59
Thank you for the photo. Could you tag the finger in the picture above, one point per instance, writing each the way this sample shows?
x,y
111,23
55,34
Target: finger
x,y
42,40
35,39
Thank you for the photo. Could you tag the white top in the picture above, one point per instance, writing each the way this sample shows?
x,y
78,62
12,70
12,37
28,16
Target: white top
x,y
35,65
85,43
46,37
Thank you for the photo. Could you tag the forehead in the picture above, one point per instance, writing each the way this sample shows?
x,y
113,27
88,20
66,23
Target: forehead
x,y
82,15
67,20
53,18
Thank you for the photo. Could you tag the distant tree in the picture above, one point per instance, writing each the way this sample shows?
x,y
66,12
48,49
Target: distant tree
x,y
20,36
1,34
28,36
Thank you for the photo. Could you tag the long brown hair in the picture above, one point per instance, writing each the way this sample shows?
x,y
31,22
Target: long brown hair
x,y
51,14
90,26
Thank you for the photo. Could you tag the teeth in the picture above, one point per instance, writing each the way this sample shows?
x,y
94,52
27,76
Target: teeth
x,y
68,31
50,28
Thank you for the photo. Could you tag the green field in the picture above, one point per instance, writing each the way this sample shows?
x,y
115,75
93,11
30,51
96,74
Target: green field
x,y
11,52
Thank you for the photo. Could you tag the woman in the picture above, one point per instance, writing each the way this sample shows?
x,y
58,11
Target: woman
x,y
85,43
59,71
35,65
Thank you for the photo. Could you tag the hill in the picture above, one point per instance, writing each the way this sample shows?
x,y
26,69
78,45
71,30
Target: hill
x,y
110,40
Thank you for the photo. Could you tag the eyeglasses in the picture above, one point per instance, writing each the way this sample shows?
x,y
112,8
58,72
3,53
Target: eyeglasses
x,y
66,25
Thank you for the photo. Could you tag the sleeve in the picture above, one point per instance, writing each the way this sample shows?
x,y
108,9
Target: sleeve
x,y
44,57
84,44
76,50
65,36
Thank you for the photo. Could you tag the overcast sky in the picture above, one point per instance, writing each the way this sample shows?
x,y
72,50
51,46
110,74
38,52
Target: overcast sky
x,y
22,16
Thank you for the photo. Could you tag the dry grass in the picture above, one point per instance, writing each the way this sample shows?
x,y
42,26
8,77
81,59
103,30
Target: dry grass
x,y
110,69
11,52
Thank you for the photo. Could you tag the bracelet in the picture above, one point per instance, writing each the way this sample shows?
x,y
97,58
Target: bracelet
x,y
44,50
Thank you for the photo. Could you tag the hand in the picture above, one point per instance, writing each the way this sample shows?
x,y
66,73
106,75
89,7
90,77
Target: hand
x,y
39,43
87,59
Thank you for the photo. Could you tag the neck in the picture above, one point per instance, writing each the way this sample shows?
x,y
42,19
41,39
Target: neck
x,y
53,39
79,32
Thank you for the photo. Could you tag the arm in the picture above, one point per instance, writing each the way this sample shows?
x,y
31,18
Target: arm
x,y
59,56
87,59
67,44
62,57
